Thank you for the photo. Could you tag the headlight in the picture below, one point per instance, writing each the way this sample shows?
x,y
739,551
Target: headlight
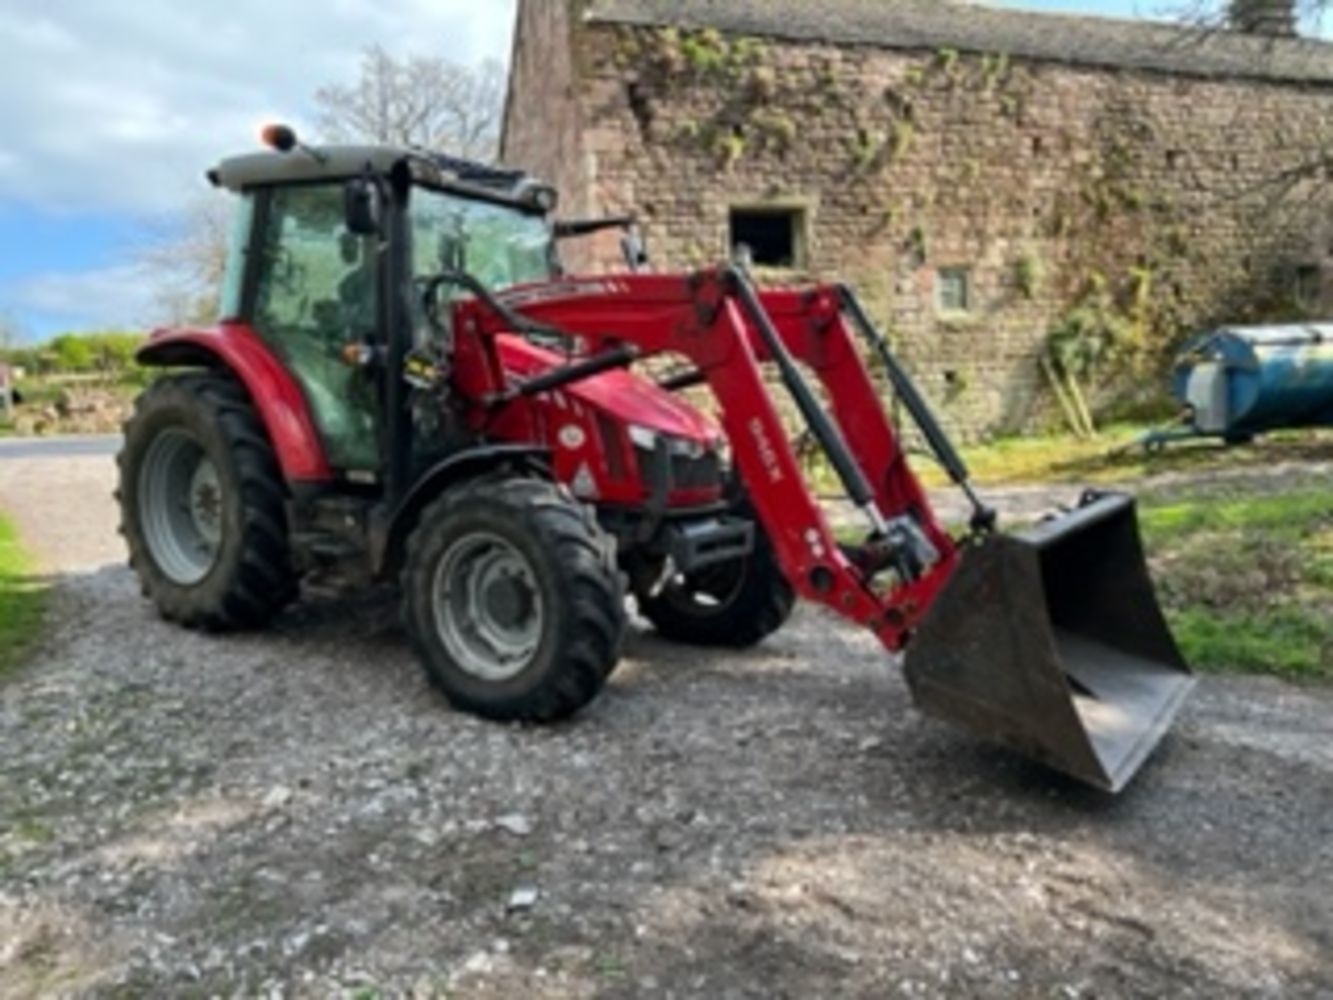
x,y
642,437
687,448
677,447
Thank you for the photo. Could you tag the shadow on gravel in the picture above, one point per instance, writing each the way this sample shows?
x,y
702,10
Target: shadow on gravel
x,y
298,807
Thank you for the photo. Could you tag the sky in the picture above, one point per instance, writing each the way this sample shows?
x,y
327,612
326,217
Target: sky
x,y
111,111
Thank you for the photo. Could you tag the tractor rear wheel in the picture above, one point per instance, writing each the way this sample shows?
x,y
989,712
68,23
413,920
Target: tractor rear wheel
x,y
201,505
512,599
733,604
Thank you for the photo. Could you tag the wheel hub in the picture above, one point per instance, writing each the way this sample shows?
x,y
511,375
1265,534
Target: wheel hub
x,y
180,507
488,608
206,502
508,602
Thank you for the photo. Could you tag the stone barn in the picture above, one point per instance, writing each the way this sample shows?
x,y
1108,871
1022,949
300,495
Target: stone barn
x,y
996,183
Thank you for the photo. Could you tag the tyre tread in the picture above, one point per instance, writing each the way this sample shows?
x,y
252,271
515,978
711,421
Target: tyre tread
x,y
589,639
262,582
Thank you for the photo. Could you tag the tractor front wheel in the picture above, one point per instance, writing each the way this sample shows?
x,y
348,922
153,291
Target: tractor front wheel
x,y
732,604
512,599
201,505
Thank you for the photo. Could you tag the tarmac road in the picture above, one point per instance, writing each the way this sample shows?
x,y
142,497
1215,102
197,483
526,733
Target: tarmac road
x,y
59,447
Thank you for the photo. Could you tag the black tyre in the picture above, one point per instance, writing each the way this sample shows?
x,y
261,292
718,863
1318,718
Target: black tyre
x,y
512,599
734,604
201,505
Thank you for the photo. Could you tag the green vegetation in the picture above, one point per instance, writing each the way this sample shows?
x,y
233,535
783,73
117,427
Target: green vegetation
x,y
865,148
22,599
1244,572
1028,272
1114,457
104,352
1243,563
1247,580
55,373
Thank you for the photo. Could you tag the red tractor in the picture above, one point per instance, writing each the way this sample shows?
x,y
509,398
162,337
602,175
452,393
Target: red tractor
x,y
407,386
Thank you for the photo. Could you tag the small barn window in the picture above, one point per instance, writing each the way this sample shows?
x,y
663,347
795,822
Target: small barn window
x,y
774,237
953,289
1308,285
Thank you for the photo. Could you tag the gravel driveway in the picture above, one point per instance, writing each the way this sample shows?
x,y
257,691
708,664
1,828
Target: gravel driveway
x,y
297,813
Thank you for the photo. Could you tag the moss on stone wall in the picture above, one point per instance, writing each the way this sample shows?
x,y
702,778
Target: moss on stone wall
x,y
1062,191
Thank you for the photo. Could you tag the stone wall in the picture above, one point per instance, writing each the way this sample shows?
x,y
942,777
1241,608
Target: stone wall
x,y
1143,205
543,115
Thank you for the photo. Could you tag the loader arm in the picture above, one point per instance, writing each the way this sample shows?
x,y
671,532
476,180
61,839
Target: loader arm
x,y
813,328
1049,642
708,319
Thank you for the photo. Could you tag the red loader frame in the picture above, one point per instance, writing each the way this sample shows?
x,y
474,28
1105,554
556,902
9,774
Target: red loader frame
x,y
726,329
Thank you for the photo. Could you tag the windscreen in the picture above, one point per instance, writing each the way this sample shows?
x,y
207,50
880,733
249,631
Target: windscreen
x,y
497,244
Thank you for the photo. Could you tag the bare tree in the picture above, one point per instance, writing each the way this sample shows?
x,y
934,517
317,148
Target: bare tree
x,y
1271,22
1265,18
186,262
9,332
422,101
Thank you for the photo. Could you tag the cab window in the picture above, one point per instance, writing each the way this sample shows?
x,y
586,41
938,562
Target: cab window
x,y
497,244
316,293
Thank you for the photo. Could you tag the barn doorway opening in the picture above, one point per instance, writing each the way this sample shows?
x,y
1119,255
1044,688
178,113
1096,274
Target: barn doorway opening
x,y
774,237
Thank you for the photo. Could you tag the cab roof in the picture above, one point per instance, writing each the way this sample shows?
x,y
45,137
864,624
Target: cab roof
x,y
315,163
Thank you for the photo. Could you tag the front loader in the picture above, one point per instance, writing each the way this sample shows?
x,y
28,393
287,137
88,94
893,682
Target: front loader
x,y
407,385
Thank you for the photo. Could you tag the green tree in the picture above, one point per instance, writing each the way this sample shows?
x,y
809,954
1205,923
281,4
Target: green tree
x,y
113,351
72,353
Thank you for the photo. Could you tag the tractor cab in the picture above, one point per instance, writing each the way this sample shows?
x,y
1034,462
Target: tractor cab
x,y
315,251
347,263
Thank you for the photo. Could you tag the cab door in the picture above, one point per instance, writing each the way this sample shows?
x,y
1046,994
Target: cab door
x,y
316,292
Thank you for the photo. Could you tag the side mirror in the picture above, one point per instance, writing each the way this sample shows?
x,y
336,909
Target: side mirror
x,y
363,206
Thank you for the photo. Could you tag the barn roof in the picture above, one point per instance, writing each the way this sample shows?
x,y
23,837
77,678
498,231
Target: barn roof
x,y
969,27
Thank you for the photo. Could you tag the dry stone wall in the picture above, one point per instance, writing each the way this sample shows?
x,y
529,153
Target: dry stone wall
x,y
1136,206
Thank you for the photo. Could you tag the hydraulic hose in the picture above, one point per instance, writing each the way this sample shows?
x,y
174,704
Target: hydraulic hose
x,y
825,431
983,517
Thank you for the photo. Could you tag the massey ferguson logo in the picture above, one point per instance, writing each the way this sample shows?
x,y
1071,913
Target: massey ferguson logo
x,y
767,453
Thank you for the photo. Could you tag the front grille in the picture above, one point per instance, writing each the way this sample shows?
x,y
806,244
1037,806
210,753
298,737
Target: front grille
x,y
687,472
696,473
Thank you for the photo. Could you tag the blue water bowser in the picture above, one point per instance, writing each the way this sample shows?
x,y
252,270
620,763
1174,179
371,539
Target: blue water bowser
x,y
1237,382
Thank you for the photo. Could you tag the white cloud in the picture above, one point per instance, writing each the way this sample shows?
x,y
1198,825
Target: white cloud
x,y
121,107
113,297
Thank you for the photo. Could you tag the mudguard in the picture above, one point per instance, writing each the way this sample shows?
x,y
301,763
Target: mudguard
x,y
282,408
389,535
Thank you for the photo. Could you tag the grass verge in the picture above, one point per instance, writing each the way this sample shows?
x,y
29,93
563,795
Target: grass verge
x,y
1247,580
1244,573
1115,457
22,599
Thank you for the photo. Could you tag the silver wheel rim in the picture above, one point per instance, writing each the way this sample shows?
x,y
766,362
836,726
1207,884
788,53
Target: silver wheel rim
x,y
180,507
487,607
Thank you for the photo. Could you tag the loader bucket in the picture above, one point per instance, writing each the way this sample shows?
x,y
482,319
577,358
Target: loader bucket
x,y
1051,643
